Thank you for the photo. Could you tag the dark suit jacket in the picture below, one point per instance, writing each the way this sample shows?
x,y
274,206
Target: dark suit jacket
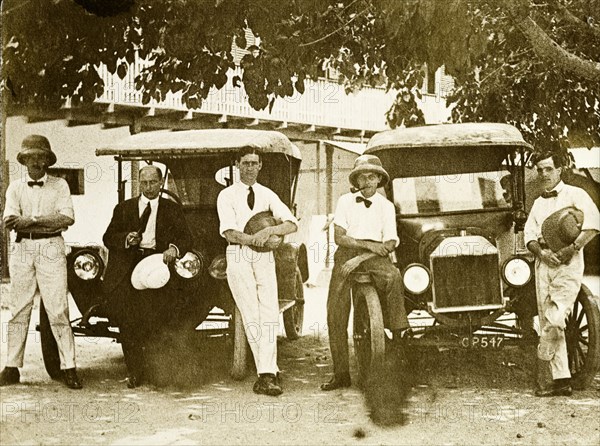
x,y
171,228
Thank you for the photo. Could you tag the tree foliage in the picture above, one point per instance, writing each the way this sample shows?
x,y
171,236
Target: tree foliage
x,y
532,63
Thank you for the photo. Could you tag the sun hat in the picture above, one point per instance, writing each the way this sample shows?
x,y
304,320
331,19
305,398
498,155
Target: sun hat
x,y
36,144
368,163
562,227
150,273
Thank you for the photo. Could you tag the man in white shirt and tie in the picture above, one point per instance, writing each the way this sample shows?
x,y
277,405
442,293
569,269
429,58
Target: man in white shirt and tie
x,y
38,210
251,274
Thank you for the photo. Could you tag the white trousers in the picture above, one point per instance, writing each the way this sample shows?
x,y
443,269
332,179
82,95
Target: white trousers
x,y
557,290
39,265
253,283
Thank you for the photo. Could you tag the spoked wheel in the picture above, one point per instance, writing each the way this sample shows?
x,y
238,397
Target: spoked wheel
x,y
583,339
369,337
293,318
239,366
49,346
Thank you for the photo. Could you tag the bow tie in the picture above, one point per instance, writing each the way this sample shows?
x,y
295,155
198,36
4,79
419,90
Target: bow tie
x,y
35,183
550,194
367,203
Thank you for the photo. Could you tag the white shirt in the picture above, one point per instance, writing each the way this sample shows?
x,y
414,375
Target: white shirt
x,y
149,235
568,196
376,223
33,201
234,213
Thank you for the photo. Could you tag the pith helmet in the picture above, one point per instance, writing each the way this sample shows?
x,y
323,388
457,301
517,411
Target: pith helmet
x,y
36,144
150,273
368,163
562,227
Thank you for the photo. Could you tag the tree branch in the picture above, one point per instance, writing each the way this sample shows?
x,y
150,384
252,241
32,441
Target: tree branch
x,y
548,49
334,31
575,22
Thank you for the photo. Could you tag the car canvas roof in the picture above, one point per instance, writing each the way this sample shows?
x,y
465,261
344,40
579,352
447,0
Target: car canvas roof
x,y
480,134
197,142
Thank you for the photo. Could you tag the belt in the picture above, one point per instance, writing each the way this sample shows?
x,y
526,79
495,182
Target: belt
x,y
35,235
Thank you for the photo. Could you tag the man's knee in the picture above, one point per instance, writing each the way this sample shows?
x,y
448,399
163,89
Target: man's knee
x,y
550,337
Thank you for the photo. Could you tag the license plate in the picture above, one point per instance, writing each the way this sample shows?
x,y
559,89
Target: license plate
x,y
479,341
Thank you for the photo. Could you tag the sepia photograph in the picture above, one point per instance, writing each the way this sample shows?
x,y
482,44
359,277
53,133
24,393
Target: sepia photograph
x,y
298,222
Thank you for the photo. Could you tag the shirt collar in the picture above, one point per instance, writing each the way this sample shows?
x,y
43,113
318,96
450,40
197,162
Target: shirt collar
x,y
145,200
243,186
559,187
44,178
371,198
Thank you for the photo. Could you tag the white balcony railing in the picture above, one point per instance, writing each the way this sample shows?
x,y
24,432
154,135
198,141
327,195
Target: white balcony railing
x,y
324,103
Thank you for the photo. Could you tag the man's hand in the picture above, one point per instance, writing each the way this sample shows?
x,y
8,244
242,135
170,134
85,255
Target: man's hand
x,y
261,237
18,222
170,255
390,245
354,263
378,248
566,254
549,258
133,239
11,221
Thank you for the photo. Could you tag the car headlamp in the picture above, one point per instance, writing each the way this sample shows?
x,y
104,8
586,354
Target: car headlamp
x,y
88,265
189,266
517,271
218,267
417,278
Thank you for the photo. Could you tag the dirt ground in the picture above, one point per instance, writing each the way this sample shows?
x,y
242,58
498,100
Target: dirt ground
x,y
460,397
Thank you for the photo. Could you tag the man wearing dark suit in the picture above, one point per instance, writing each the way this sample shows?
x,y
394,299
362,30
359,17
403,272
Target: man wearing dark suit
x,y
142,226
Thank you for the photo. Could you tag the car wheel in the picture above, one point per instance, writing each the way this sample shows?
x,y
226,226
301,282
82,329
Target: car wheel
x,y
293,317
583,339
49,346
239,366
369,336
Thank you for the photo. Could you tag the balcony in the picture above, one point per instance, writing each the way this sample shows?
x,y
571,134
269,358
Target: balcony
x,y
324,111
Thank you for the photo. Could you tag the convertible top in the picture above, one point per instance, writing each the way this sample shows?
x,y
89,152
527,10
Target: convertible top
x,y
196,142
479,134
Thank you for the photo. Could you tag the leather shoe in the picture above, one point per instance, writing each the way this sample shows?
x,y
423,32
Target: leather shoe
x,y
267,384
337,382
9,375
560,387
71,379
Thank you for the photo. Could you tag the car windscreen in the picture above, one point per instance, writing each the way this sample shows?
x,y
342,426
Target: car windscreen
x,y
451,193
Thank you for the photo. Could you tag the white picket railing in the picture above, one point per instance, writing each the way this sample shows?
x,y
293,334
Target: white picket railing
x,y
324,103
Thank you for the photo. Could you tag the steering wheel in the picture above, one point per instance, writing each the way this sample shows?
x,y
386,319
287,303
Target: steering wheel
x,y
172,195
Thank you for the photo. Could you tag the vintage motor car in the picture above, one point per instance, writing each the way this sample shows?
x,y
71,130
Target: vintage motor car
x,y
459,192
199,164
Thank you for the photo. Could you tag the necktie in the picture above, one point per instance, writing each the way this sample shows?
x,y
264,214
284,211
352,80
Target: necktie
x,y
251,198
550,194
144,218
35,183
367,203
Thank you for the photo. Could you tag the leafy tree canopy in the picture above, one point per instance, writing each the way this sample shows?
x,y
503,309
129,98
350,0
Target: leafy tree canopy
x,y
532,63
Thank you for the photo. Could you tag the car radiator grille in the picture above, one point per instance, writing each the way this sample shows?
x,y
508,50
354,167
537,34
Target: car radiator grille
x,y
462,282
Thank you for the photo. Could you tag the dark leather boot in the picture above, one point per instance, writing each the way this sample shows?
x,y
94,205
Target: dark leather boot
x,y
9,376
267,384
71,379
